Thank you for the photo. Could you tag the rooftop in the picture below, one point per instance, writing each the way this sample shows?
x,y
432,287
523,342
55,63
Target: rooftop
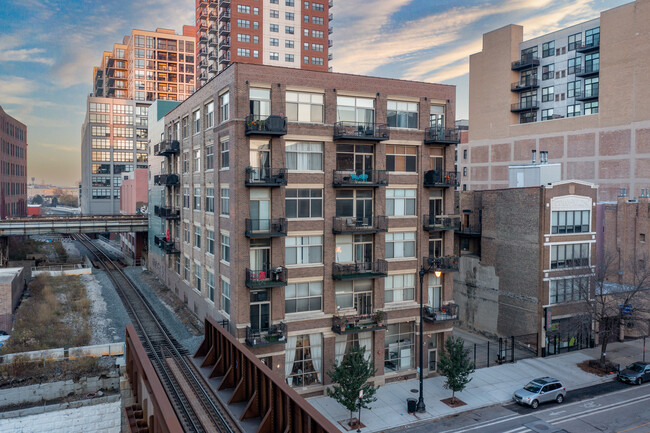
x,y
7,275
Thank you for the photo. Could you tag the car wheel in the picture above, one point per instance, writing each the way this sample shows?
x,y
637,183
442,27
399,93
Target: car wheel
x,y
639,381
560,398
534,404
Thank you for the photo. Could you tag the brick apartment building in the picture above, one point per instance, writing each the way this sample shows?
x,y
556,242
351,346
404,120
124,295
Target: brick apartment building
x,y
299,207
575,92
287,33
13,167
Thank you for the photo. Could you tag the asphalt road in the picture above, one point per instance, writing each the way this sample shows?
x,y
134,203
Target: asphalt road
x,y
609,407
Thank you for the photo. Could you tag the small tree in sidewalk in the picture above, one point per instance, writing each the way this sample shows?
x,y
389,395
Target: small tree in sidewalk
x,y
455,365
350,377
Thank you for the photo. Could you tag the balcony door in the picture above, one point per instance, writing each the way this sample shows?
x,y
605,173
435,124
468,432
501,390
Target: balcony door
x,y
437,117
350,157
354,294
435,244
435,203
356,204
260,160
260,103
260,256
260,209
260,310
354,249
434,298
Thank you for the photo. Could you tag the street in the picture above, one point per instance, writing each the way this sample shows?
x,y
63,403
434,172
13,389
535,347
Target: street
x,y
609,407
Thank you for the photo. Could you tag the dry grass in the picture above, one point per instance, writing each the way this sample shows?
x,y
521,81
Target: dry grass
x,y
22,372
20,247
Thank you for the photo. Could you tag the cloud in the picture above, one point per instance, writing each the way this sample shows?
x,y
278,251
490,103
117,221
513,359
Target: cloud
x,y
25,55
60,147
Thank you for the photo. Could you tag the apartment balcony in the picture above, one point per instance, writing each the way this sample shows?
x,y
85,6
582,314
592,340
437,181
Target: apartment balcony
x,y
367,178
276,334
166,180
330,17
203,3
435,223
214,30
224,15
212,69
224,44
267,278
591,47
203,52
441,179
526,105
224,59
266,228
213,17
371,224
213,42
203,64
213,55
441,136
360,270
203,25
168,246
369,131
167,212
331,3
167,148
587,70
330,43
443,313
524,85
443,264
269,125
203,38
587,95
266,177
345,325
330,57
224,3
330,30
469,230
526,62
224,30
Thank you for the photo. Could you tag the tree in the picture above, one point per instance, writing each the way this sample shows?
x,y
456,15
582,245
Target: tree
x,y
350,377
55,201
37,199
455,365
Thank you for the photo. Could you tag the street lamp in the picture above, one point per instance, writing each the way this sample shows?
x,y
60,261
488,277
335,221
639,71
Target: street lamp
x,y
421,407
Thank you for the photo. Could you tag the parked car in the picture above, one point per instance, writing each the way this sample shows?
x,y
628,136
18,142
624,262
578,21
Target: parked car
x,y
636,373
540,390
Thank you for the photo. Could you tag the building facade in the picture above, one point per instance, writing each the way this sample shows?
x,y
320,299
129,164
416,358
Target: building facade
x,y
526,256
134,197
306,232
13,167
572,92
286,33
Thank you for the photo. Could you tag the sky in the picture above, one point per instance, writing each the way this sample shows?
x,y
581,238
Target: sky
x,y
49,47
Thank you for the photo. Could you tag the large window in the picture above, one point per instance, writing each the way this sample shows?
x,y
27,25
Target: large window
x,y
225,201
197,276
197,199
548,71
304,156
260,102
401,158
574,41
400,202
196,153
209,157
573,110
304,360
547,94
548,49
353,110
304,107
399,347
225,295
303,297
197,121
592,36
547,114
569,256
400,288
573,65
209,200
225,153
573,89
210,284
355,294
197,236
592,62
400,245
568,290
224,105
304,203
402,114
591,107
209,115
225,248
303,250
210,241
563,222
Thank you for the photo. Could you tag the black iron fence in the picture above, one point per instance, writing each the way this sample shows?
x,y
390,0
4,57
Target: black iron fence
x,y
503,350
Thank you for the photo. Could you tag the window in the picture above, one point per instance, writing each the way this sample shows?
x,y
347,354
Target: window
x,y
401,158
274,28
548,71
304,203
210,283
288,57
569,256
243,9
289,2
305,107
547,114
547,94
289,30
289,44
317,61
592,37
243,38
289,16
197,199
317,20
573,65
225,248
186,270
209,200
225,296
209,157
304,357
351,109
274,42
244,24
186,198
305,60
591,87
304,156
197,160
197,237
304,250
317,34
592,62
573,110
548,49
225,153
528,117
225,201
274,56
575,41
591,107
563,222
573,89
568,289
400,245
400,202
316,47
318,7
243,52
185,129
274,13
303,297
400,288
402,114
224,105
197,121
305,18
399,347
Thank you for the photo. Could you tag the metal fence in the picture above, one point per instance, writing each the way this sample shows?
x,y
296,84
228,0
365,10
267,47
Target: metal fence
x,y
503,350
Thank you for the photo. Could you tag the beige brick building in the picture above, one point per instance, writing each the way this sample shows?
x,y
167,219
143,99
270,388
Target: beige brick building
x,y
297,207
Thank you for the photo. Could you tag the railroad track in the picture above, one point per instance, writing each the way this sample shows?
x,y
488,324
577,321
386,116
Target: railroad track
x,y
198,412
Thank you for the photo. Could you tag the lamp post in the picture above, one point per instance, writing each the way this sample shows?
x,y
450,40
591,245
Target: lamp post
x,y
359,419
421,407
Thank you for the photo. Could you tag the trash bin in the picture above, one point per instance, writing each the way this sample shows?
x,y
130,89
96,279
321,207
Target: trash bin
x,y
411,404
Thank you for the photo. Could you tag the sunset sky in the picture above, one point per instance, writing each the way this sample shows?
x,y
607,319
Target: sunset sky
x,y
48,49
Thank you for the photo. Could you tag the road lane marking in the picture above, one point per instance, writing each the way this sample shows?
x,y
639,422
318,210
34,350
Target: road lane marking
x,y
633,428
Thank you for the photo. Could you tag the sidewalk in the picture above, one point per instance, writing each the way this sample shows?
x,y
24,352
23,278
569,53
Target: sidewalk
x,y
489,386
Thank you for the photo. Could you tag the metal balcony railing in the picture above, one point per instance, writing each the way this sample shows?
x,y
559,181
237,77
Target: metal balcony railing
x,y
167,148
358,323
266,278
266,228
224,30
361,131
370,224
224,15
266,177
443,264
360,270
440,223
266,125
588,94
166,179
276,334
526,105
525,62
168,246
441,179
167,212
589,47
441,135
587,70
525,84
469,230
348,178
440,314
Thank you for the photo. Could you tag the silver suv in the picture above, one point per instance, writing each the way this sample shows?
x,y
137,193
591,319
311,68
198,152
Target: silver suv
x,y
539,391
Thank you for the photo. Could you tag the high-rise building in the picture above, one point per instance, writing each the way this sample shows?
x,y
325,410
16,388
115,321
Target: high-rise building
x,y
13,167
575,93
300,205
287,33
146,66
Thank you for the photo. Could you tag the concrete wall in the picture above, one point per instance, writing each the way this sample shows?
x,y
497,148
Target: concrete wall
x,y
476,291
10,294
